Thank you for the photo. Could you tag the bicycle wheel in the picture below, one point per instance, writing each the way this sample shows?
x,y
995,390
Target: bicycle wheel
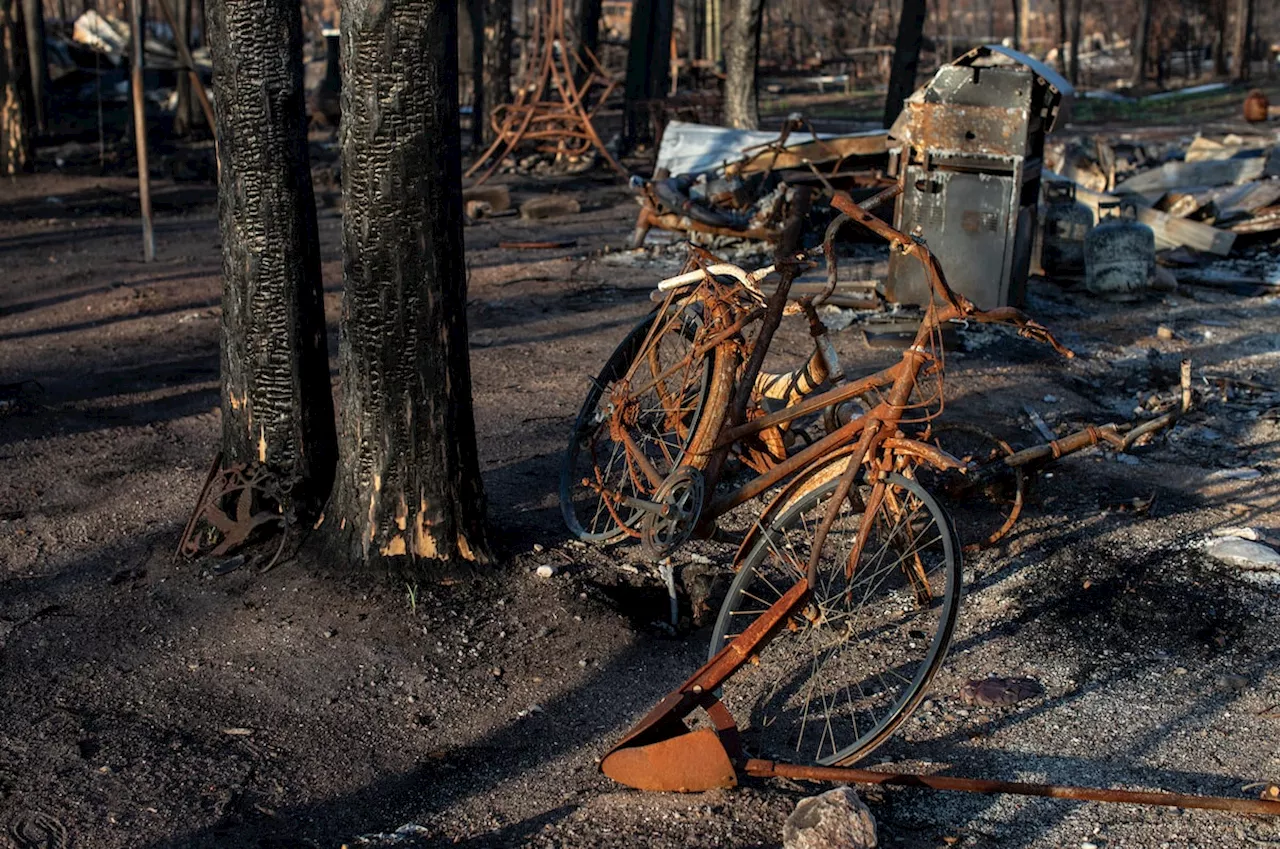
x,y
661,417
843,673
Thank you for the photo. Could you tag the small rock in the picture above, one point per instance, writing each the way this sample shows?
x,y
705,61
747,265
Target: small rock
x,y
551,206
545,571
537,547
1234,475
1242,533
1244,554
836,819
330,633
498,198
1232,683
1051,399
999,692
1165,333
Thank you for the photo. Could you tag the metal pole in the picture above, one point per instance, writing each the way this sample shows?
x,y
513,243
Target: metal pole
x,y
769,769
140,131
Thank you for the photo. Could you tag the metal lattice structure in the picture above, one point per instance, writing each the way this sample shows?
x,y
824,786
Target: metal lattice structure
x,y
564,89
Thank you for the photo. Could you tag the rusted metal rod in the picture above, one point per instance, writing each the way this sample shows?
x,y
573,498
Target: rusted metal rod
x,y
770,769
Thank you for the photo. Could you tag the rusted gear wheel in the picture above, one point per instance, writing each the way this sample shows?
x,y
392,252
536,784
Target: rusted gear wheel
x,y
682,494
985,503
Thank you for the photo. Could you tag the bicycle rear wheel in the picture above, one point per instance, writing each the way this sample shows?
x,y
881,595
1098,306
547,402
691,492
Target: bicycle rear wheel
x,y
654,393
843,673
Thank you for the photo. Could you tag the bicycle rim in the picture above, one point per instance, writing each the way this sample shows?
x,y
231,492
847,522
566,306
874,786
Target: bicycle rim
x,y
841,675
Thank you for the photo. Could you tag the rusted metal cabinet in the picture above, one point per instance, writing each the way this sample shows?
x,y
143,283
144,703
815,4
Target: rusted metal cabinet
x,y
972,141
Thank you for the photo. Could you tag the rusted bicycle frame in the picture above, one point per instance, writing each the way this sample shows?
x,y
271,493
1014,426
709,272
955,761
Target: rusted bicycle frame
x,y
879,445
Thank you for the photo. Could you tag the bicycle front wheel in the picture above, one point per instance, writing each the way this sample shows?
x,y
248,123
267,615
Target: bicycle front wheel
x,y
843,673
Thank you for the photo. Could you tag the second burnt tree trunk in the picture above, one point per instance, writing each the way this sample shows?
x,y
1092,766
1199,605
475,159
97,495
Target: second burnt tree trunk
x,y
277,403
15,129
741,56
497,62
906,58
408,492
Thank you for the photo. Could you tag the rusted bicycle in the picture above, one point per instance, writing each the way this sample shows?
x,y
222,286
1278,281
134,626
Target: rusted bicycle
x,y
853,563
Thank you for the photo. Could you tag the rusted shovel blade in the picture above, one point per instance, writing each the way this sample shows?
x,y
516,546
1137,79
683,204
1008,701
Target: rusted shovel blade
x,y
687,763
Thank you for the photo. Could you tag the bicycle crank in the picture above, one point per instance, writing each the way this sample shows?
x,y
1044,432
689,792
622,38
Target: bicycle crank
x,y
682,495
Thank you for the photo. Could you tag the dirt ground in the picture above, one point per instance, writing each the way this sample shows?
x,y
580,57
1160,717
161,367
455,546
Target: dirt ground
x,y
149,703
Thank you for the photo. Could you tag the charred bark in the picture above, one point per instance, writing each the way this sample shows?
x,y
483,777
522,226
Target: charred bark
x,y
1140,43
648,65
589,25
184,117
1062,36
408,491
15,129
277,403
906,58
741,56
38,61
1074,67
1218,12
1242,41
497,61
479,104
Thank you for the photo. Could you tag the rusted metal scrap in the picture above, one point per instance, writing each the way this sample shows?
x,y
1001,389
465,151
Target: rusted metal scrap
x,y
556,103
662,753
235,503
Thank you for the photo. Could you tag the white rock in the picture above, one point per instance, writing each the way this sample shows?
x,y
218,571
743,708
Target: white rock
x,y
1242,533
545,571
1244,554
836,819
1234,475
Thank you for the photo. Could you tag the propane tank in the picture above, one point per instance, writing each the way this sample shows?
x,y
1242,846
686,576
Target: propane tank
x,y
1256,107
1066,225
1119,253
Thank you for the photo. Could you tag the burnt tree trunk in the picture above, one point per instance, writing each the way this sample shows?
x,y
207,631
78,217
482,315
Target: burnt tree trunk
x,y
1242,40
1140,43
38,62
1074,67
741,55
1062,36
906,58
479,104
589,25
1218,14
648,65
15,128
184,117
277,403
408,491
497,61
